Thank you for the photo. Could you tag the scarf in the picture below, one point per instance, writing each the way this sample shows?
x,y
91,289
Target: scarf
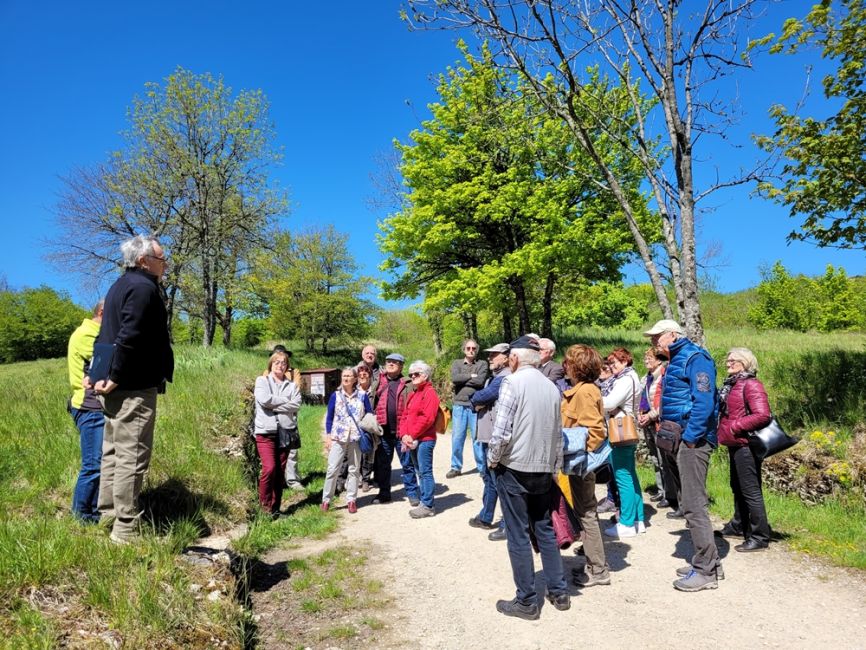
x,y
725,390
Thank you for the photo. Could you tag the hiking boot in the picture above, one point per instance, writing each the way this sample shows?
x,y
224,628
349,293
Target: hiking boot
x,y
413,501
518,609
497,535
695,581
620,530
421,511
476,522
584,579
606,505
684,571
728,531
675,514
562,602
453,473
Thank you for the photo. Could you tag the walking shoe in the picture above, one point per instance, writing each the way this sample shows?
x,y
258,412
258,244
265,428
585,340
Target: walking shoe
x,y
640,527
728,531
656,496
119,541
476,522
382,499
675,514
583,579
413,501
452,473
606,505
695,581
366,487
749,546
421,511
562,602
684,571
619,531
664,503
352,507
497,535
518,609
325,505
295,485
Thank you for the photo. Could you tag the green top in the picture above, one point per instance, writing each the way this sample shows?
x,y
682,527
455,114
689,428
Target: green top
x,y
80,351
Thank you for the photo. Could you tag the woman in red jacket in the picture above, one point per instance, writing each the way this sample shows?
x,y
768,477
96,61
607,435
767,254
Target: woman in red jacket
x,y
417,431
744,408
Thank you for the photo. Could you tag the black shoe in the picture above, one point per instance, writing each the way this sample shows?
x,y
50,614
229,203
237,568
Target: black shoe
x,y
728,531
475,522
749,546
497,535
664,503
657,496
562,602
381,498
676,514
453,473
518,609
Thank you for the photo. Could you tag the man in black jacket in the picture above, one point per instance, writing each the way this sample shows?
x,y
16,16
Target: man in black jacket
x,y
135,323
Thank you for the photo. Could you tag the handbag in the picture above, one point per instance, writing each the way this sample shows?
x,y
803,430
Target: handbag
x,y
770,440
365,441
622,429
290,438
668,436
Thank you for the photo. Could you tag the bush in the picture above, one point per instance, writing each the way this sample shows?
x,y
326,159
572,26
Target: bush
x,y
36,324
247,332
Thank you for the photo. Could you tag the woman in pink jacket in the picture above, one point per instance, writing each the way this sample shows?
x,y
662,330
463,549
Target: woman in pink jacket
x,y
744,408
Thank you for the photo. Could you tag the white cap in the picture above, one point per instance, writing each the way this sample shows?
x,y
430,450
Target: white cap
x,y
664,325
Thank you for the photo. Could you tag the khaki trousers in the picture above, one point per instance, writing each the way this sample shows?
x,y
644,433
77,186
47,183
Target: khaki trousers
x,y
585,503
126,448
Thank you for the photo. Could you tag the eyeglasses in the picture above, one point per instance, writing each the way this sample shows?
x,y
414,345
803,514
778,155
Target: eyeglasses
x,y
728,362
469,347
156,257
412,375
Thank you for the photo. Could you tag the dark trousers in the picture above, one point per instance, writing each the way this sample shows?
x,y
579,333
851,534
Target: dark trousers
x,y
750,514
382,467
694,464
525,502
655,456
671,474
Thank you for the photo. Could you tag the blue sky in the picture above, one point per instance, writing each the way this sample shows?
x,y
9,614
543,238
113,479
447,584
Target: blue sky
x,y
343,78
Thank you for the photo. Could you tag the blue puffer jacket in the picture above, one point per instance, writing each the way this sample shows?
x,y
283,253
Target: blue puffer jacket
x,y
689,395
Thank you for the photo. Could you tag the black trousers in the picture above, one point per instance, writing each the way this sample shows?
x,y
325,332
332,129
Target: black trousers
x,y
672,483
750,513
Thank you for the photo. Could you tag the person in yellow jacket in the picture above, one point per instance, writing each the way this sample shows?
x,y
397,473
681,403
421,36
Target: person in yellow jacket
x,y
86,411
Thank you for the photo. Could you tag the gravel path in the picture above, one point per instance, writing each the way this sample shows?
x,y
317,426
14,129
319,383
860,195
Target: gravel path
x,y
446,577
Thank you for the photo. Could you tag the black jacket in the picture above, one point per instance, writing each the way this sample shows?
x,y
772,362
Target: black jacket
x,y
135,321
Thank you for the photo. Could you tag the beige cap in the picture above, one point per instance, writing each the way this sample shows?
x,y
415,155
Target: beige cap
x,y
664,325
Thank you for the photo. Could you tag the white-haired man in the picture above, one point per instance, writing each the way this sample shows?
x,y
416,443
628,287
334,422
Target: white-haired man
x,y
135,322
524,452
548,367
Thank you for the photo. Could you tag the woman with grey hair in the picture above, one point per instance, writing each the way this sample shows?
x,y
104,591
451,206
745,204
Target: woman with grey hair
x,y
744,408
417,433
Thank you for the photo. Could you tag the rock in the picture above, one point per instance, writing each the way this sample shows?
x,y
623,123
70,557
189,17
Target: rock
x,y
214,595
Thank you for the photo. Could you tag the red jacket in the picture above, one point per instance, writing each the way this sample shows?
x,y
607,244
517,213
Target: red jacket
x,y
737,420
419,416
382,400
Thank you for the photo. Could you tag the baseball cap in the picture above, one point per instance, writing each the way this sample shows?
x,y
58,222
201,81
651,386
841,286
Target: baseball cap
x,y
498,348
525,342
664,325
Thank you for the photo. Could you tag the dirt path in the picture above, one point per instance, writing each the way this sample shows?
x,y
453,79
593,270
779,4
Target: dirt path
x,y
446,577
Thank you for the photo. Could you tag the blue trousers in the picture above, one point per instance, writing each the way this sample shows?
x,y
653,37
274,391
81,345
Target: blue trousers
x,y
86,494
463,419
489,496
422,459
382,468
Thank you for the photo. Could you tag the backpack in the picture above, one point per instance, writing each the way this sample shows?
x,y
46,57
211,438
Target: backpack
x,y
443,417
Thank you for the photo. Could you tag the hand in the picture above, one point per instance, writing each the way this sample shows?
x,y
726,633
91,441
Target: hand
x,y
328,443
86,383
690,445
407,440
104,387
643,419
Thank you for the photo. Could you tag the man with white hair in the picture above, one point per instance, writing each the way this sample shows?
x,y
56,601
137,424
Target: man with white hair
x,y
548,367
524,452
689,402
135,323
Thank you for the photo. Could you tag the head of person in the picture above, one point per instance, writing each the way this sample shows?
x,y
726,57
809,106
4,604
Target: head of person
x,y
145,253
394,365
547,349
620,359
741,360
664,333
497,356
365,376
470,350
523,352
419,372
582,364
349,379
606,372
98,310
368,354
653,358
278,363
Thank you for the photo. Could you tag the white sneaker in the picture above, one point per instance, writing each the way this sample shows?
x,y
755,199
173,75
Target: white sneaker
x,y
620,531
640,527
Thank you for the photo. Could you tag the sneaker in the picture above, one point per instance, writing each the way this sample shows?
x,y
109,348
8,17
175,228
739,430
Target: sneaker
x,y
619,531
695,581
476,522
562,602
675,514
421,511
583,579
352,507
294,485
324,507
640,527
606,505
497,535
414,502
118,540
453,473
728,531
518,609
684,571
366,487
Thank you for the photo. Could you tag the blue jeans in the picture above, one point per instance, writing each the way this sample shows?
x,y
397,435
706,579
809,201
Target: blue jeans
x,y
86,495
422,458
463,418
382,468
489,496
525,501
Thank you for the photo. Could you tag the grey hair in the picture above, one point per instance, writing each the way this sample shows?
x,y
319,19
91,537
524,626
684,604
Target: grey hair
x,y
134,248
547,344
746,357
527,356
352,369
422,367
98,306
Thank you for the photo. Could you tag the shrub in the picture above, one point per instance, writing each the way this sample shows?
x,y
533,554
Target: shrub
x,y
36,324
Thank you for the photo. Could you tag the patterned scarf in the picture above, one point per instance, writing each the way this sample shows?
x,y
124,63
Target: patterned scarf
x,y
725,390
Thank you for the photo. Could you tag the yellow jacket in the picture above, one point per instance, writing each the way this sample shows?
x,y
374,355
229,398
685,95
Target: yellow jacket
x,y
79,352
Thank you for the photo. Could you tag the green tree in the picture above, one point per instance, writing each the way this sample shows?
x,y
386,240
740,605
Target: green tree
x,y
194,173
311,287
824,176
36,324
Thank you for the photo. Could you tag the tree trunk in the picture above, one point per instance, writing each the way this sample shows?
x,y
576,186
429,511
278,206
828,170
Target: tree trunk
x,y
507,329
226,322
523,324
208,308
470,325
547,322
435,321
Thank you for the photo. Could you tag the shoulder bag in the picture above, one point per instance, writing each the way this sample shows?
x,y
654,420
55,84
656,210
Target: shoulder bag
x,y
365,441
769,440
286,438
622,429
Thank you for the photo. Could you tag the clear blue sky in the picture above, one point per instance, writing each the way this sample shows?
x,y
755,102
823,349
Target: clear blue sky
x,y
344,79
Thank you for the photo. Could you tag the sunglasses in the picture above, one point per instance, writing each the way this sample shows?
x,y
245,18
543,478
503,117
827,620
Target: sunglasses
x,y
412,375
